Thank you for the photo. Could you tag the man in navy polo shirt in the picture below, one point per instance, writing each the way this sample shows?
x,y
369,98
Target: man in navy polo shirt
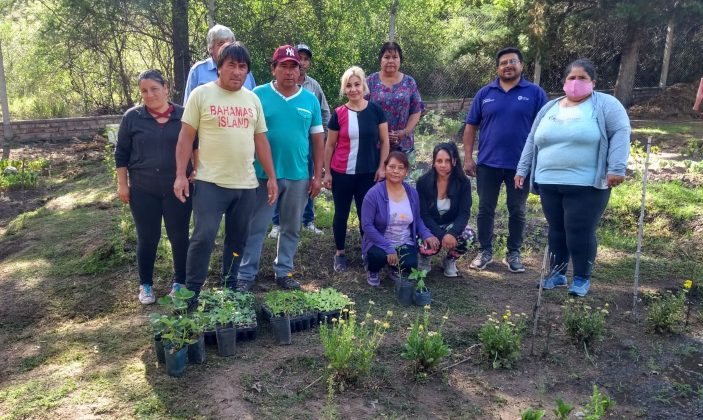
x,y
503,112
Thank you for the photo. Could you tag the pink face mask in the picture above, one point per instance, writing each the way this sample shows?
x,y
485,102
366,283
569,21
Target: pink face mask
x,y
576,88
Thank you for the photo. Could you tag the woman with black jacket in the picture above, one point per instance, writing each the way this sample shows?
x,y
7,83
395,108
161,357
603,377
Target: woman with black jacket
x,y
445,207
145,160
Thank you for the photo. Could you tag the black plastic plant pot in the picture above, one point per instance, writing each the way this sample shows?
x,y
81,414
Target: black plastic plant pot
x,y
422,298
281,329
328,315
159,349
226,341
196,351
210,337
404,292
176,361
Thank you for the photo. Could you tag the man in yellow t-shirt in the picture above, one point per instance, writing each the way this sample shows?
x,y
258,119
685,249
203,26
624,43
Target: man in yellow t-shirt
x,y
231,129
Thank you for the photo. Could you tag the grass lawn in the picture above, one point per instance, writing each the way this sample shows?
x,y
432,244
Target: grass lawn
x,y
75,342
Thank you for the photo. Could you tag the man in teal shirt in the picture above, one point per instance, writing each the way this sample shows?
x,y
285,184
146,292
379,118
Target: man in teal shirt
x,y
294,121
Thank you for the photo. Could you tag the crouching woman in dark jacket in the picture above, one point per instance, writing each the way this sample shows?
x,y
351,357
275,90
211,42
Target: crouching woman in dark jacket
x,y
445,207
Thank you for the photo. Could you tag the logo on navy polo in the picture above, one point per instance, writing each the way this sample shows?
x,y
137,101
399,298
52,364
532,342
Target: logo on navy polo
x,y
290,52
487,100
523,98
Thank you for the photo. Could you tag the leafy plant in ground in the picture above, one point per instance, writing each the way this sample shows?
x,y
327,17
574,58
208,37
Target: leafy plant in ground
x,y
667,311
424,347
350,345
532,414
25,174
598,405
584,324
502,338
563,409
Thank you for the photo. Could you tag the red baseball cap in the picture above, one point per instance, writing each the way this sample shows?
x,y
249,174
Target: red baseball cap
x,y
286,53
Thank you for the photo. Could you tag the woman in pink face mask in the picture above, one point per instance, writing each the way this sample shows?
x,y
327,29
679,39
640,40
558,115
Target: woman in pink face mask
x,y
575,153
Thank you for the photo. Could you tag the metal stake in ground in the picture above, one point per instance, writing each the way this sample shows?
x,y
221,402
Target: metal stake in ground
x,y
640,230
535,311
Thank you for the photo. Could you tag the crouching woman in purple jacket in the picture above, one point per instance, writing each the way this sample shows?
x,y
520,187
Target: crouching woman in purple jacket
x,y
390,219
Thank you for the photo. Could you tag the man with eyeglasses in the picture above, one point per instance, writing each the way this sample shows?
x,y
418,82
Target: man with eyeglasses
x,y
502,112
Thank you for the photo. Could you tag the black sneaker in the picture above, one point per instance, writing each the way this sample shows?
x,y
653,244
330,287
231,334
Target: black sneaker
x,y
483,258
340,263
244,285
514,262
287,282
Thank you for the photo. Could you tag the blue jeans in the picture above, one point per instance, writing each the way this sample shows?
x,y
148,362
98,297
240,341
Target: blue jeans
x,y
292,196
210,203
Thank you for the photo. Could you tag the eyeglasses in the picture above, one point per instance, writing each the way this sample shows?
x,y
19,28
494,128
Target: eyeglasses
x,y
512,61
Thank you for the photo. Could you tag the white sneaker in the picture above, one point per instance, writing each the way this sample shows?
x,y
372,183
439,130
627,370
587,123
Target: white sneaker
x,y
275,230
146,295
176,287
449,267
424,262
311,228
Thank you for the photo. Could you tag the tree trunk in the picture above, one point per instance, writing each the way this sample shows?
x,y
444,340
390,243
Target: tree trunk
x,y
538,68
628,66
391,23
6,126
181,54
210,13
668,45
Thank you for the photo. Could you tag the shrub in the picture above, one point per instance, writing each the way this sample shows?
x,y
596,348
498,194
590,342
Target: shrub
x,y
532,414
425,348
502,338
599,403
25,175
667,312
584,324
350,346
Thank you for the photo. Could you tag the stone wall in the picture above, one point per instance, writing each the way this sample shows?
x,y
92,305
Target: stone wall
x,y
57,129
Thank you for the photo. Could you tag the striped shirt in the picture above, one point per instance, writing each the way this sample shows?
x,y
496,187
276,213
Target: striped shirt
x,y
358,149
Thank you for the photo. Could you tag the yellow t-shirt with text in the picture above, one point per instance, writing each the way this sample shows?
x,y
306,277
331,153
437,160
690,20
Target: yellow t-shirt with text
x,y
226,122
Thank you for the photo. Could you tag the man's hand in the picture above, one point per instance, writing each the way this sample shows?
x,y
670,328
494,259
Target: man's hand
x,y
380,174
470,166
191,178
272,187
327,181
123,193
392,259
615,180
519,181
315,187
181,188
448,241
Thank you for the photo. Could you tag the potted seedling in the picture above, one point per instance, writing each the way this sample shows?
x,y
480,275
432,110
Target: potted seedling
x,y
279,305
422,295
158,328
225,331
178,330
403,286
245,319
196,350
329,303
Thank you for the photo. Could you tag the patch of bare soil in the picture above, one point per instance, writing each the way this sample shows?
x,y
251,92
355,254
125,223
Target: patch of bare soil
x,y
674,103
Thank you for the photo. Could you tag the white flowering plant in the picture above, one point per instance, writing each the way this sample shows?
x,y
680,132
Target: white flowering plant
x,y
424,347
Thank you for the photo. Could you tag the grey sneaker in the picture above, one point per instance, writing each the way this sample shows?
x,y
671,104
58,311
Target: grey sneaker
x,y
340,263
424,262
373,280
176,287
514,262
244,285
146,295
275,230
449,267
482,260
310,227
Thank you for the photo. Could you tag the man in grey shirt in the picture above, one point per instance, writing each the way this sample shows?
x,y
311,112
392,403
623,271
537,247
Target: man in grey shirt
x,y
313,86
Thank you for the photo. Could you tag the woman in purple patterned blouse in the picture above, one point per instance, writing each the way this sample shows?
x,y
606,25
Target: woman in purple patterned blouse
x,y
397,94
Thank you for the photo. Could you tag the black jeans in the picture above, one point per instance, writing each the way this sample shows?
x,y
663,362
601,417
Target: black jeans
x,y
345,188
376,258
573,213
148,210
488,183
